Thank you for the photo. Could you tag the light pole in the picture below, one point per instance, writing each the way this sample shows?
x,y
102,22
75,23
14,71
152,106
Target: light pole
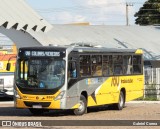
x,y
127,17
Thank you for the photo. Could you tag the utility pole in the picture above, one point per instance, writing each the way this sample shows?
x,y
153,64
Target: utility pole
x,y
127,17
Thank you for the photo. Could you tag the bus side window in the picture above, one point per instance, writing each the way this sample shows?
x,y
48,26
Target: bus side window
x,y
96,65
72,70
127,64
118,64
137,69
85,66
107,65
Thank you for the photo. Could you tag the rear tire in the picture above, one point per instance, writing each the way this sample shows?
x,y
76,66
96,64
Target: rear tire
x,y
121,102
82,106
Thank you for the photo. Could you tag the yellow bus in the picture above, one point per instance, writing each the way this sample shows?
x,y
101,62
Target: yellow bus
x,y
7,77
77,77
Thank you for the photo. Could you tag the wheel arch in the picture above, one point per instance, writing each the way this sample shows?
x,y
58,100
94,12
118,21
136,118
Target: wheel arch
x,y
84,93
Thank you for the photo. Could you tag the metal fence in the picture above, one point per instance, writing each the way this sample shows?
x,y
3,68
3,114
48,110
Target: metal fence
x,y
152,82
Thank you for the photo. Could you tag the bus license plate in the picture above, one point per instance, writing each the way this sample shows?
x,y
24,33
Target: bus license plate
x,y
37,106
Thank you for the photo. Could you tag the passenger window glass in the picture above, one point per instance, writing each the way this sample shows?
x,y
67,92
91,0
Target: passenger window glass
x,y
107,65
127,62
96,65
85,69
118,63
137,69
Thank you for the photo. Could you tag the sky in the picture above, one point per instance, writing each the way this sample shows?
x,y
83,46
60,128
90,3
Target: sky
x,y
96,12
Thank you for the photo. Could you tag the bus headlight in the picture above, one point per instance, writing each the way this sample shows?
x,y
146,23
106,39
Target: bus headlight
x,y
60,95
16,95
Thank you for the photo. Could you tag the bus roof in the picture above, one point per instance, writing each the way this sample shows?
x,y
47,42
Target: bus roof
x,y
83,49
113,50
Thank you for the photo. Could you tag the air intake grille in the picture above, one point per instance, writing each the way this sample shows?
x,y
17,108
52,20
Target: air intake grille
x,y
44,104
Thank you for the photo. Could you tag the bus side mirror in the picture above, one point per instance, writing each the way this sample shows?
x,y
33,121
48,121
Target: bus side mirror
x,y
8,66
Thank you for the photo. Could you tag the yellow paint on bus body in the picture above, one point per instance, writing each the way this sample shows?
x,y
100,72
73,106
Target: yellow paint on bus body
x,y
55,104
109,91
139,51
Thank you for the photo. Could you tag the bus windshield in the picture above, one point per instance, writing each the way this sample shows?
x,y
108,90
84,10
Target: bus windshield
x,y
40,73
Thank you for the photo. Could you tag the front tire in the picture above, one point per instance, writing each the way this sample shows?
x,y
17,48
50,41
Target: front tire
x,y
82,109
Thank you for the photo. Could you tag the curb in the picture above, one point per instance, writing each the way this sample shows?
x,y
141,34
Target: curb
x,y
147,102
6,102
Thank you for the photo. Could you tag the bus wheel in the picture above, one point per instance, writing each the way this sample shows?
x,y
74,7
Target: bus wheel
x,y
121,102
82,106
36,111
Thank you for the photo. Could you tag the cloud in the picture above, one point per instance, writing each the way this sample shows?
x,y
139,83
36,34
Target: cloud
x,y
96,2
103,11
99,3
93,11
65,17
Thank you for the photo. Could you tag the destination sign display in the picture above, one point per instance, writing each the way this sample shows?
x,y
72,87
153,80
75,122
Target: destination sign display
x,y
43,53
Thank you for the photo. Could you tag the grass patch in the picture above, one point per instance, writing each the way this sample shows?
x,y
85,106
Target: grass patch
x,y
148,98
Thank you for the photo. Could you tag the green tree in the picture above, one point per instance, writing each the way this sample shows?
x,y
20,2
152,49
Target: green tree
x,y
149,14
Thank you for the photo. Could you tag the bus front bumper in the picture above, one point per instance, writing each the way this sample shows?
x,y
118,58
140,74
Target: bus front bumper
x,y
20,103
